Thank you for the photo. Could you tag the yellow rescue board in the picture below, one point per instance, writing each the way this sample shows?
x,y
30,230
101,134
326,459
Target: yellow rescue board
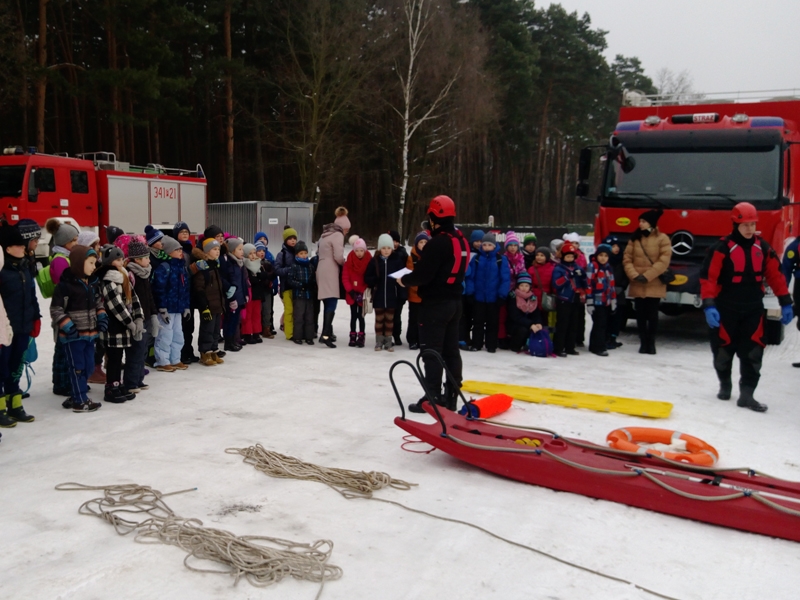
x,y
599,402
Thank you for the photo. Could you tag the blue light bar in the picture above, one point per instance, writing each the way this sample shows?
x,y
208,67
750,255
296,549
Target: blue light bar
x,y
628,126
766,122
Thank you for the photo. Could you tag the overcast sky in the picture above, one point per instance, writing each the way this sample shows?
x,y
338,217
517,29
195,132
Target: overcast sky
x,y
726,45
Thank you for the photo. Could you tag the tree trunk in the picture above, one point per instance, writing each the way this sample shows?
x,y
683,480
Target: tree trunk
x,y
260,185
41,79
112,65
226,26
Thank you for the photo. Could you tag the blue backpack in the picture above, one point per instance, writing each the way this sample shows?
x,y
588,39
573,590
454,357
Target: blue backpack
x,y
540,344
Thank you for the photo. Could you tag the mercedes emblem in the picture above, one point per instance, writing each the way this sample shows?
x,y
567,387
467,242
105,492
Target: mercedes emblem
x,y
682,243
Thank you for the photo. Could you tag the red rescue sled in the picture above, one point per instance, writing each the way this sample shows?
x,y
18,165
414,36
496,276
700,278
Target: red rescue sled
x,y
742,498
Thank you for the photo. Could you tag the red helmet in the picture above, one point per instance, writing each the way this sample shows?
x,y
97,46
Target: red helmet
x,y
744,212
442,206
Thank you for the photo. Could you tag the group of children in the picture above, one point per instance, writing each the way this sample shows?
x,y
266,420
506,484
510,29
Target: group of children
x,y
135,298
523,289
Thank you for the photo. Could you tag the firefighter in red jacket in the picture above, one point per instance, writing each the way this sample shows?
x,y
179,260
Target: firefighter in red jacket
x,y
732,288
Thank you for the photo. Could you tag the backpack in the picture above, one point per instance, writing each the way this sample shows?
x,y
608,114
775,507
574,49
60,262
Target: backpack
x,y
29,356
46,284
540,344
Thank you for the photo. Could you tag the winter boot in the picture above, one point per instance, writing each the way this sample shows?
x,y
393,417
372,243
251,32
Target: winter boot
x,y
378,343
361,339
87,406
232,346
746,400
207,360
353,342
388,344
450,398
16,411
257,338
416,407
116,395
97,375
216,357
5,420
327,330
725,386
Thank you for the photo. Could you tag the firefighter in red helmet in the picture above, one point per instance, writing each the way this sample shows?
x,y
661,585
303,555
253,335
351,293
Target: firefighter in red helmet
x,y
732,287
439,275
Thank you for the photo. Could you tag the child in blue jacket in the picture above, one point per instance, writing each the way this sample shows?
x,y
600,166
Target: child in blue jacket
x,y
602,299
570,287
171,292
488,282
236,282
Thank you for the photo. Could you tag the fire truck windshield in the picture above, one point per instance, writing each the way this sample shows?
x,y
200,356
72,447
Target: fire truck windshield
x,y
688,178
11,180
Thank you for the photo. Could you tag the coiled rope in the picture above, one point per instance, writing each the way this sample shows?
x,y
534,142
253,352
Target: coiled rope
x,y
358,484
350,484
261,560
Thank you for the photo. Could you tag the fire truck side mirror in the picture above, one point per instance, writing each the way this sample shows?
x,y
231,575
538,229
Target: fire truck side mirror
x,y
584,170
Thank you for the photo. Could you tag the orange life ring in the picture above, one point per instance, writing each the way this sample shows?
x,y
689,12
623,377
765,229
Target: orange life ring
x,y
629,438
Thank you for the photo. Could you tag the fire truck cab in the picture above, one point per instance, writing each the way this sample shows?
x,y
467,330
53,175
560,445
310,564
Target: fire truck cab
x,y
95,190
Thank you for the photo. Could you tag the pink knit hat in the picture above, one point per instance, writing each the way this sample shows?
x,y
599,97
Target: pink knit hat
x,y
341,218
360,243
511,238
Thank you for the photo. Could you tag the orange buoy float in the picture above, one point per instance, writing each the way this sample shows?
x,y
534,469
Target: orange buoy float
x,y
697,452
487,407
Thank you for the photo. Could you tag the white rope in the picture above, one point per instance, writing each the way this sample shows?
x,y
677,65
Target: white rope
x,y
262,561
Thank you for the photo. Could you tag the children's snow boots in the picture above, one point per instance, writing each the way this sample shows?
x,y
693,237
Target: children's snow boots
x,y
746,400
5,420
97,375
207,360
353,341
361,339
116,395
16,411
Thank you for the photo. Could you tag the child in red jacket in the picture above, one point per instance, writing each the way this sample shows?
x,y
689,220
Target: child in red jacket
x,y
353,281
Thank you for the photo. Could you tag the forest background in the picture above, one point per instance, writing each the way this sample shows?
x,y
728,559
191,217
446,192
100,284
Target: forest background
x,y
372,104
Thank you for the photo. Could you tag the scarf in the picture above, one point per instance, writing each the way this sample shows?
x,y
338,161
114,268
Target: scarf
x,y
59,250
254,266
120,276
358,265
516,262
140,271
239,261
526,301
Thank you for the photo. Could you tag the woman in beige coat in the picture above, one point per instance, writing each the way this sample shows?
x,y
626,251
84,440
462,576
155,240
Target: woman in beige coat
x,y
330,250
646,257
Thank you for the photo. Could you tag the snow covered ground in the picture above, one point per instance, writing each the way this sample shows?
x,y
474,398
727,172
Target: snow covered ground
x,y
335,408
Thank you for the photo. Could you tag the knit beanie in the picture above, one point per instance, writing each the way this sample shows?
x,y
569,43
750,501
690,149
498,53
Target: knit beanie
x,y
87,238
359,244
555,245
29,229
153,235
652,216
248,248
259,235
530,238
178,227
422,235
489,238
137,248
395,235
524,278
300,246
289,232
543,250
568,248
476,236
385,241
63,233
261,246
209,243
571,237
233,243
511,238
170,245
10,236
341,218
212,231
109,253
112,233
603,248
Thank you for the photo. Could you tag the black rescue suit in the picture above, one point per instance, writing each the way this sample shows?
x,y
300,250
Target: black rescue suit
x,y
732,279
439,276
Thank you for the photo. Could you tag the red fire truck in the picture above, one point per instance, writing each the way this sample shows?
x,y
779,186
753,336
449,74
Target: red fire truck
x,y
94,190
696,161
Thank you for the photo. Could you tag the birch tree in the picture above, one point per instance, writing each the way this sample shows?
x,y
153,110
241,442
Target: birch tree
x,y
414,114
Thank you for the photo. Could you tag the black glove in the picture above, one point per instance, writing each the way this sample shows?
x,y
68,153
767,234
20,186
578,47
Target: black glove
x,y
578,272
640,279
354,295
